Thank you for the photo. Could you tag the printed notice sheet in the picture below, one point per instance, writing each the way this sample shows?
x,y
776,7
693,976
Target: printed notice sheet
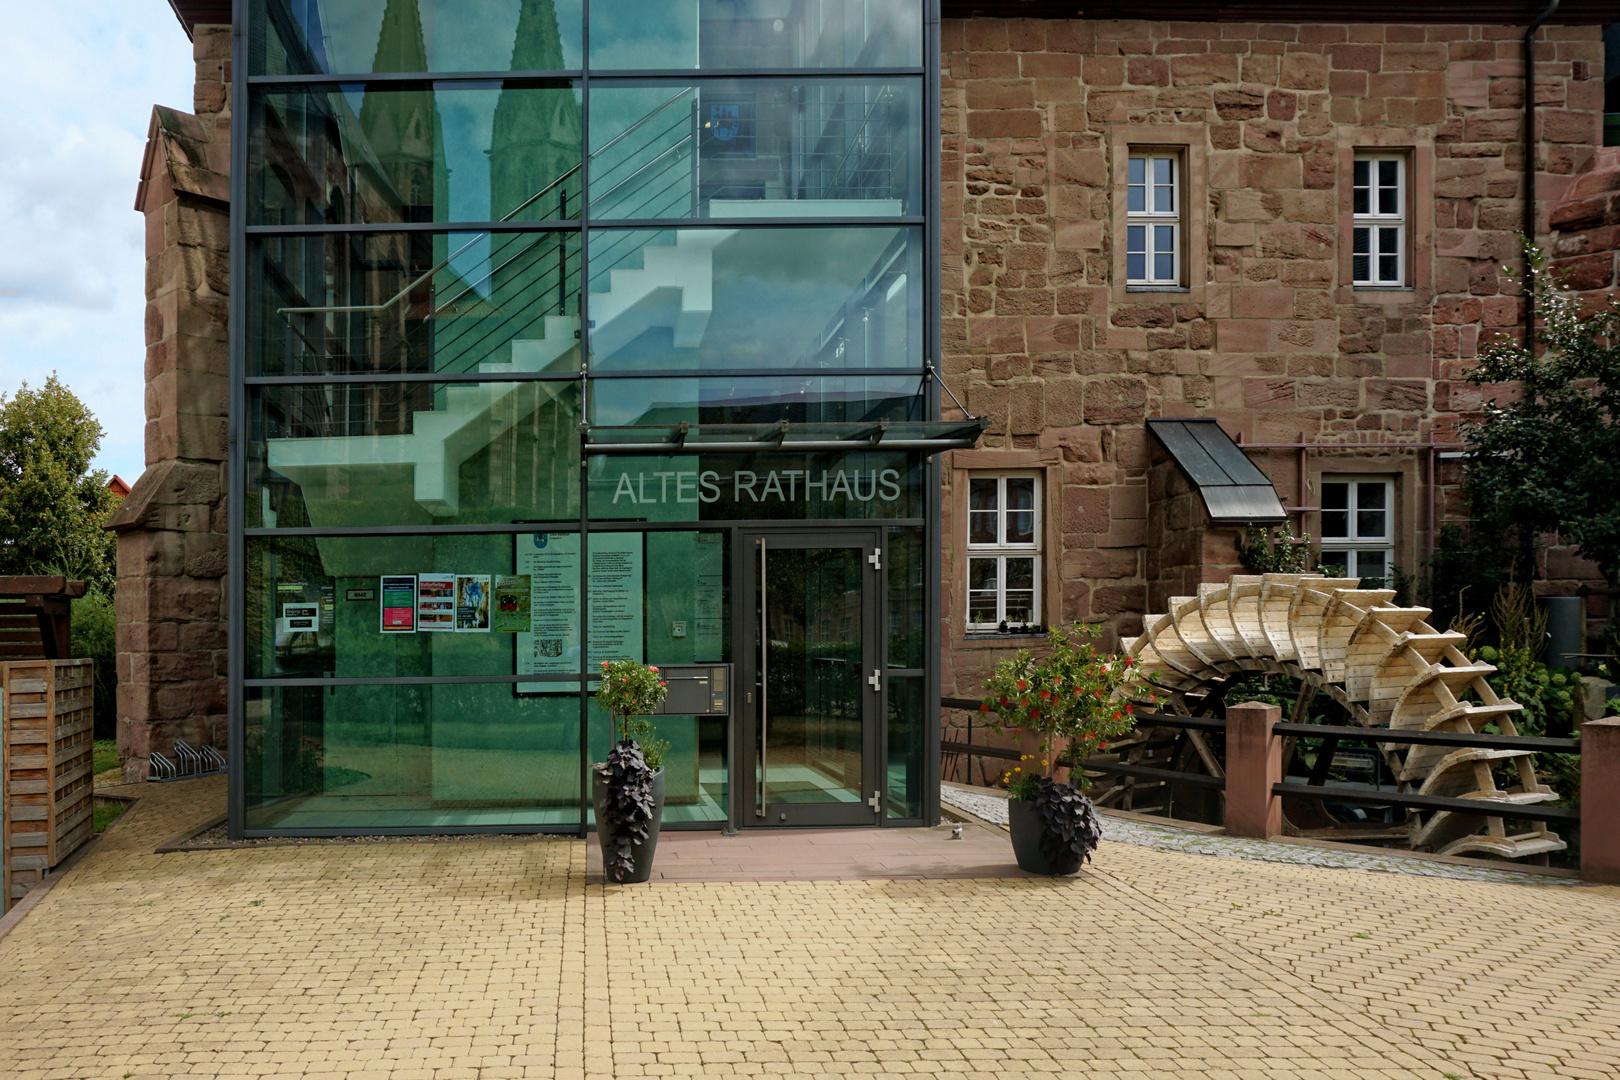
x,y
472,603
399,604
551,645
513,598
436,602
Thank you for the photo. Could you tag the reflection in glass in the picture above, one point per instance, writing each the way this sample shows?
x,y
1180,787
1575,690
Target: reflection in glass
x,y
409,756
762,149
904,760
357,155
983,579
982,510
908,608
355,37
416,453
770,298
1020,510
809,750
341,574
408,303
633,34
798,398
1020,589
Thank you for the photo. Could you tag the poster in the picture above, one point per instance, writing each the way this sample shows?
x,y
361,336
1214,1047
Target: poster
x,y
551,645
709,599
435,602
472,603
399,604
513,596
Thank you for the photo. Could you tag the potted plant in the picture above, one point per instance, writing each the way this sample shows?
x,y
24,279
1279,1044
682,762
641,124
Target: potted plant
x,y
1075,700
628,788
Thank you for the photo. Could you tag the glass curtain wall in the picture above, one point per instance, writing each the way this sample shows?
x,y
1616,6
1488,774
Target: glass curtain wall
x,y
474,229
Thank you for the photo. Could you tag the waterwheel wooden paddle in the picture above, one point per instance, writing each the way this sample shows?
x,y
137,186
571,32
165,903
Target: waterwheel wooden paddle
x,y
1382,665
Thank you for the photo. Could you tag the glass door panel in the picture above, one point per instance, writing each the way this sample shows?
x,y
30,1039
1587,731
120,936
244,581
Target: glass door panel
x,y
814,724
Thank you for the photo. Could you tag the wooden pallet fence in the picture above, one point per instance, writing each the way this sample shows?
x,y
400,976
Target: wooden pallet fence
x,y
46,749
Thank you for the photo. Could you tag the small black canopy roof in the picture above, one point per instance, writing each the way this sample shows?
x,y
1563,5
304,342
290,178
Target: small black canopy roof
x,y
1234,489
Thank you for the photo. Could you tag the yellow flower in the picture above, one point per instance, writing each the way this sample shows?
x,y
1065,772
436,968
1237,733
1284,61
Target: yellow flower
x,y
1020,769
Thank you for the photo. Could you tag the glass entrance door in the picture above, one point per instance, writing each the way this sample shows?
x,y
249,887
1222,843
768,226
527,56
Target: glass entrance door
x,y
816,684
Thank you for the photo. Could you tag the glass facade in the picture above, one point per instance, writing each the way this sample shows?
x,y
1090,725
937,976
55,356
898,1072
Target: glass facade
x,y
474,234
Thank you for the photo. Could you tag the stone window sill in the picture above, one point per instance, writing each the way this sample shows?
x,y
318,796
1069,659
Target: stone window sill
x,y
974,639
1180,290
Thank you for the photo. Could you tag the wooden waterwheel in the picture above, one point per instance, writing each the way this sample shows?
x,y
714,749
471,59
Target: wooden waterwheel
x,y
1379,666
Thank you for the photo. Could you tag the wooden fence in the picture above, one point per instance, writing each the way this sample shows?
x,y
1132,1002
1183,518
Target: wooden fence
x,y
47,808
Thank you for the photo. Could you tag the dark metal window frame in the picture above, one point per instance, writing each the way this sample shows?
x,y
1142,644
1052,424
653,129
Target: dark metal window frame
x,y
245,90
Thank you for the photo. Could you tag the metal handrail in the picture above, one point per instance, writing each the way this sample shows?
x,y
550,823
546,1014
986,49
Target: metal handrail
x,y
440,265
1482,807
1111,768
1462,739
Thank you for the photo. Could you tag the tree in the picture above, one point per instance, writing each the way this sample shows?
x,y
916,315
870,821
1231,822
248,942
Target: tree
x,y
1546,459
52,503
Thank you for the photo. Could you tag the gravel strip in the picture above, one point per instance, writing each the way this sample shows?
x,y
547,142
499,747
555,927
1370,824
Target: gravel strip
x,y
993,808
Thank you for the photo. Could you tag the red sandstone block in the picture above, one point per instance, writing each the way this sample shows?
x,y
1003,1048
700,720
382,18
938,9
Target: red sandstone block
x,y
1104,71
1242,335
1051,65
1004,124
998,94
1355,57
1258,302
1204,70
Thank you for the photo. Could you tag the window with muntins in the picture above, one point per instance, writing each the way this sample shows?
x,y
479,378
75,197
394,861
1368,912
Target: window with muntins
x,y
1378,221
1358,528
1004,548
1153,219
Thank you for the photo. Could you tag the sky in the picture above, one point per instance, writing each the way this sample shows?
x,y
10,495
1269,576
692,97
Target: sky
x,y
76,96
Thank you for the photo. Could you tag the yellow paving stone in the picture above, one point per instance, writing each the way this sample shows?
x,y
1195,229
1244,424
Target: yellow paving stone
x,y
495,959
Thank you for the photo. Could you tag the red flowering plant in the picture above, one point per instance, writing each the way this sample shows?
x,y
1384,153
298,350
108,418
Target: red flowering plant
x,y
1076,700
629,691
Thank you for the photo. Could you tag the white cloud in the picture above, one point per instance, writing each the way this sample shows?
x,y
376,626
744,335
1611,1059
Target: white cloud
x,y
76,95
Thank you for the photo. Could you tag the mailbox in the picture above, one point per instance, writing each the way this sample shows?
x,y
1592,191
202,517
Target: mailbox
x,y
696,689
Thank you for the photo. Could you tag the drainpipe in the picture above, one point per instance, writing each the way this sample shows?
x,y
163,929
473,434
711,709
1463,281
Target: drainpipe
x,y
1530,165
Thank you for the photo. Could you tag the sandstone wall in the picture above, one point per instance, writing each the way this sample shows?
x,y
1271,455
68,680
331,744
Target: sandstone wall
x,y
1586,254
1269,336
172,526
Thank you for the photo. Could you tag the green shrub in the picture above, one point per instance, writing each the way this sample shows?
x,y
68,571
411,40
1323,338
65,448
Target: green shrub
x,y
95,635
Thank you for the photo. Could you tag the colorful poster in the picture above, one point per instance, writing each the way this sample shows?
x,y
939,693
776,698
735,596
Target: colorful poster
x,y
435,602
472,603
513,593
399,604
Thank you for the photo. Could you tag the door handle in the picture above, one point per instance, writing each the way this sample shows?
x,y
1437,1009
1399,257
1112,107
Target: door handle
x,y
875,680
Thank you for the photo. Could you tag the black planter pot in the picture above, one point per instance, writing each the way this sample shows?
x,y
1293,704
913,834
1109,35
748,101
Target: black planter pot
x,y
1024,821
642,855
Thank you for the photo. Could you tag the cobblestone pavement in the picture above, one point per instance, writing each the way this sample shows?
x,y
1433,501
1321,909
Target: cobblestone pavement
x,y
497,959
993,808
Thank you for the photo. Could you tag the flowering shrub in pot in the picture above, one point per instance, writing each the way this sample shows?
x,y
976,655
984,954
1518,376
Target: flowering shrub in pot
x,y
628,788
1074,700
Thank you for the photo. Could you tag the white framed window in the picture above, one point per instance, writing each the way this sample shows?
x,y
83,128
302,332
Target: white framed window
x,y
1378,220
1358,527
1004,550
1153,219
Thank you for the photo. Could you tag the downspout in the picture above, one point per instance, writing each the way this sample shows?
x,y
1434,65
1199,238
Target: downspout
x,y
1530,166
